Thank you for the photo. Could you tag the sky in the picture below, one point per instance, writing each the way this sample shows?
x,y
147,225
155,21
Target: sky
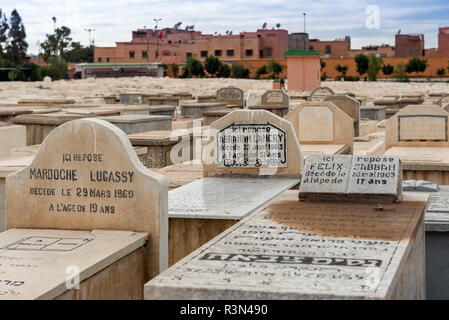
x,y
367,22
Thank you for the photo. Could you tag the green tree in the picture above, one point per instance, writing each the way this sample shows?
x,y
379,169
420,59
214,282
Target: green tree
x,y
17,46
239,71
362,62
224,72
56,44
274,68
79,53
323,64
375,65
387,69
324,76
342,69
261,71
193,68
14,74
57,70
400,72
175,69
441,72
3,33
212,65
416,65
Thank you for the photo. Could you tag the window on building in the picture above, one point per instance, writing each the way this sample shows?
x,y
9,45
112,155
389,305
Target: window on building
x,y
268,51
230,53
99,59
249,52
188,54
131,54
261,53
108,60
328,49
179,41
203,54
218,53
144,54
311,48
169,41
166,53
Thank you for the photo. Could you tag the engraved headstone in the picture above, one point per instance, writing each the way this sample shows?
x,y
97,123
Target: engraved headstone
x,y
320,93
251,143
275,97
351,178
350,106
87,176
232,96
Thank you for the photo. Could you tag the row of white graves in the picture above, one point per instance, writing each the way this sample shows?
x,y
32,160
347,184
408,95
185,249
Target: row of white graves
x,y
311,250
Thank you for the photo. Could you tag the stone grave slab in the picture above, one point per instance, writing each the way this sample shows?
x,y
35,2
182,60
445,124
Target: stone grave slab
x,y
11,137
206,98
87,176
162,110
212,116
130,98
251,143
373,113
419,185
350,106
351,178
167,100
136,123
321,123
232,96
196,109
182,173
37,264
299,251
320,93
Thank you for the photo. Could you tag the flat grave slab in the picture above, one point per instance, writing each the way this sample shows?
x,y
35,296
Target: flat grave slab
x,y
224,198
135,123
38,263
298,251
182,173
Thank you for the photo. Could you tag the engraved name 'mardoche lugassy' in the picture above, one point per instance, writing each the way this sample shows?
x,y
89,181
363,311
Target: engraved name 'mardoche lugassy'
x,y
242,145
82,190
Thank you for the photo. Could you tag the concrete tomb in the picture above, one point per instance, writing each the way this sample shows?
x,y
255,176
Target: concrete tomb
x,y
196,109
162,110
275,101
136,123
419,185
243,152
301,250
85,176
322,128
350,106
373,113
320,93
351,178
232,96
130,98
11,137
418,134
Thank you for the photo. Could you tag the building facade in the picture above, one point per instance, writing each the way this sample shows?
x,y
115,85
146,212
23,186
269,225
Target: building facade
x,y
338,48
171,45
409,45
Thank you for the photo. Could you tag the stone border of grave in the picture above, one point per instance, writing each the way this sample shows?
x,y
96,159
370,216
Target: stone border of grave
x,y
331,92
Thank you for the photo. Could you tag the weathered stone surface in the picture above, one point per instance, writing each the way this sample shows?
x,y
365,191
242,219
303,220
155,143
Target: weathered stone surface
x,y
224,198
136,123
320,133
316,124
42,264
87,176
275,98
350,106
320,93
298,251
351,178
232,96
130,98
251,143
419,185
373,113
196,109
11,137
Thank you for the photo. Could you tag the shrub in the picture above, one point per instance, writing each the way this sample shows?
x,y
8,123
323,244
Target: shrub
x,y
262,70
375,64
57,70
342,69
212,65
441,72
416,65
362,62
324,76
400,72
175,69
387,69
239,71
193,68
274,68
224,71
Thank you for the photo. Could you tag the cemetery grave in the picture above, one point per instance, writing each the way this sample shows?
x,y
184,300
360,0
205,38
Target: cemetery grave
x,y
242,152
419,136
232,96
350,106
196,109
322,128
275,101
72,191
320,93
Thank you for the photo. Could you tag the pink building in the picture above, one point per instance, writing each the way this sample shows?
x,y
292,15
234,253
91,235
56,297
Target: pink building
x,y
303,70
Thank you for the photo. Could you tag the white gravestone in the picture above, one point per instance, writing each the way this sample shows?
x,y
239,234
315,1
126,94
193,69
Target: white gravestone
x,y
316,124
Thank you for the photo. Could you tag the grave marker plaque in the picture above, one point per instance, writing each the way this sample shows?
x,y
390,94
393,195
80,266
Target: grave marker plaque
x,y
233,96
351,178
275,97
316,124
87,176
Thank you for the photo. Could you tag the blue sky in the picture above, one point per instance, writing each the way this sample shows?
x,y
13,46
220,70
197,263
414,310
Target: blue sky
x,y
115,19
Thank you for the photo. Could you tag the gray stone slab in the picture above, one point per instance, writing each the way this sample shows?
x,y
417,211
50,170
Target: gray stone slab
x,y
373,113
136,123
303,250
351,178
196,109
275,97
130,98
224,198
419,185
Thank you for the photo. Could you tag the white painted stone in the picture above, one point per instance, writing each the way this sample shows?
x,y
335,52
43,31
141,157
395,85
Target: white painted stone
x,y
224,198
422,128
11,137
316,125
419,185
39,264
